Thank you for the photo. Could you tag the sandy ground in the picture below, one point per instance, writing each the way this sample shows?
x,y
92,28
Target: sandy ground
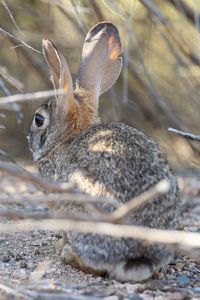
x,y
30,269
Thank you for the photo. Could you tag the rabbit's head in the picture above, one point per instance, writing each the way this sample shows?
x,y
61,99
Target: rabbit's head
x,y
76,109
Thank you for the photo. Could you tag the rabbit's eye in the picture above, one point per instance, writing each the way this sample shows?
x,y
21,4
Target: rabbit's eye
x,y
39,120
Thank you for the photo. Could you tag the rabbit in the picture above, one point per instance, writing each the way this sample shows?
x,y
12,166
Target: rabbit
x,y
70,144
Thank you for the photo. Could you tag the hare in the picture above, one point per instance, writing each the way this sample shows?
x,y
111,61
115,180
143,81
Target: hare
x,y
70,144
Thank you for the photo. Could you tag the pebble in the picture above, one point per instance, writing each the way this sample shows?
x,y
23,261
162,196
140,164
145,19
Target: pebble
x,y
179,266
183,280
197,289
10,253
171,270
18,257
36,252
131,288
5,259
23,265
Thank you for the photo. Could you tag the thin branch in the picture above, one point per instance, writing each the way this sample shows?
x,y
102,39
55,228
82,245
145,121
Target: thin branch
x,y
175,238
13,106
11,16
97,11
180,41
7,156
52,200
32,61
52,295
112,10
23,174
79,16
18,41
4,87
117,216
187,135
160,188
13,214
158,99
30,96
68,15
12,80
186,10
13,291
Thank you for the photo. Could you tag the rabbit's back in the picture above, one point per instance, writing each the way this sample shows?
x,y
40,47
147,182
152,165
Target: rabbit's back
x,y
112,160
121,162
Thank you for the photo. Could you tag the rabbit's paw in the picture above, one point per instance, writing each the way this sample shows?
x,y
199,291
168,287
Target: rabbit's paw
x,y
133,270
59,245
69,256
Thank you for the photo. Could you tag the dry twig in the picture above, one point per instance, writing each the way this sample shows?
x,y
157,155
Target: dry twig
x,y
159,100
4,87
115,217
187,135
30,96
14,292
185,9
52,200
18,41
11,16
181,43
12,80
136,203
101,224
32,61
174,238
23,174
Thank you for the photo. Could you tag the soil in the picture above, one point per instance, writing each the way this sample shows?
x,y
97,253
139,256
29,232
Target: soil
x,y
30,269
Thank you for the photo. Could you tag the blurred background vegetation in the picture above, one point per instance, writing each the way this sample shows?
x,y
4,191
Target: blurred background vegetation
x,y
159,86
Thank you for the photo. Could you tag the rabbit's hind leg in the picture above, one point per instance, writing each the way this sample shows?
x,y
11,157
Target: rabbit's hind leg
x,y
137,270
69,256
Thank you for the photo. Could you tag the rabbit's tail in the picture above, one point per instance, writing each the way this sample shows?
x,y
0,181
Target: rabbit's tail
x,y
139,269
133,270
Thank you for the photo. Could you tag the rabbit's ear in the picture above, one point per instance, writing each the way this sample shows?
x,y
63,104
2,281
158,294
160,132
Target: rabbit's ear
x,y
60,74
101,59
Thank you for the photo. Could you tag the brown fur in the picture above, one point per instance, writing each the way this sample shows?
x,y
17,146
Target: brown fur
x,y
109,159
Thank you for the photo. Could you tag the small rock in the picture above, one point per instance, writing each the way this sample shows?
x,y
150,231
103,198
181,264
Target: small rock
x,y
11,254
36,243
23,265
2,241
179,266
5,259
44,243
18,257
185,273
58,235
131,288
171,270
197,289
183,280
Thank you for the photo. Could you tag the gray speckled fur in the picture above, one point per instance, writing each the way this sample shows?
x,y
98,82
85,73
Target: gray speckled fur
x,y
111,159
128,164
